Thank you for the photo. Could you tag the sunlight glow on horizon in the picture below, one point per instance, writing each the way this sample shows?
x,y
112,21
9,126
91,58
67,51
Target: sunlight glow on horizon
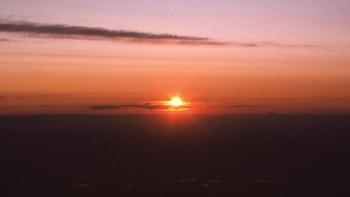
x,y
147,56
175,102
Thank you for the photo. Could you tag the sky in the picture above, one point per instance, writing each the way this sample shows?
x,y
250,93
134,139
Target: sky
x,y
127,56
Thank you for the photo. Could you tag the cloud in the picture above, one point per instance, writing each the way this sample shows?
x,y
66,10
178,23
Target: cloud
x,y
93,33
272,44
33,96
54,95
12,97
275,44
5,40
244,106
61,31
146,106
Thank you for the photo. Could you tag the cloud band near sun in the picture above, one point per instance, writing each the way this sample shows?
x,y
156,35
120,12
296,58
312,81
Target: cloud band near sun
x,y
146,106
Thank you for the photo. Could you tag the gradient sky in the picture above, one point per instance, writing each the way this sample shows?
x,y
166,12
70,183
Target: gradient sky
x,y
268,56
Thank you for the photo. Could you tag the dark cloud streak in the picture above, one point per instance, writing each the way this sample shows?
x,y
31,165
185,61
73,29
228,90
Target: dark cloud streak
x,y
244,106
59,31
80,32
146,106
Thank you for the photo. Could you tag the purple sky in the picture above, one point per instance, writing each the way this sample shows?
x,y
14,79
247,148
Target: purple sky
x,y
299,21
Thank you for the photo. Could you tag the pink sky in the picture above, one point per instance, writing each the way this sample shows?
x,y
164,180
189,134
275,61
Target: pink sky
x,y
283,56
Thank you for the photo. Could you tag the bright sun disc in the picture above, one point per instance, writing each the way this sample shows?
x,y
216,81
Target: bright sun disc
x,y
176,102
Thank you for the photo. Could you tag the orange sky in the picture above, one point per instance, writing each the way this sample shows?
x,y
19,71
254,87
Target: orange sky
x,y
282,79
241,73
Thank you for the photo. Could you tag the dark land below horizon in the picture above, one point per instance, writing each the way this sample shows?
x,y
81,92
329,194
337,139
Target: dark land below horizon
x,y
233,155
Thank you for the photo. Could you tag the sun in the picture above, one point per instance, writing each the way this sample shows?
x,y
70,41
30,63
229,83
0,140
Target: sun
x,y
175,102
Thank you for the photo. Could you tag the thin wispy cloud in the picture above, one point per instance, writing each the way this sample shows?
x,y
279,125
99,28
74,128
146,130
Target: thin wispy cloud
x,y
61,31
154,105
273,44
5,40
33,96
55,95
146,106
93,33
244,106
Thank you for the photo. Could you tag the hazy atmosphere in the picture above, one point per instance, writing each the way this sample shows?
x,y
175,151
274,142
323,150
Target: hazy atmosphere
x,y
225,56
174,98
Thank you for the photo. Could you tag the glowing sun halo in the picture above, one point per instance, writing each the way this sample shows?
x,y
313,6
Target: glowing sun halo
x,y
175,102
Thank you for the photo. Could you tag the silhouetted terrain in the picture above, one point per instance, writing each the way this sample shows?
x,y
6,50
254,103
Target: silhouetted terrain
x,y
242,155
